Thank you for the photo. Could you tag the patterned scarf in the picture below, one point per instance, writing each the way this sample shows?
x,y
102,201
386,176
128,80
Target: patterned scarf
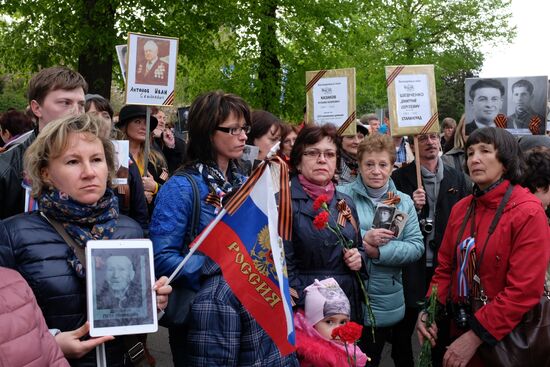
x,y
82,222
351,162
219,186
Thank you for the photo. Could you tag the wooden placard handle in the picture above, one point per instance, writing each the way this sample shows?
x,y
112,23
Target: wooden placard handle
x,y
417,162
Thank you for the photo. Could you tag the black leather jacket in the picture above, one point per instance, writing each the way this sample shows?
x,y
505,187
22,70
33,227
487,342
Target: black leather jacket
x,y
30,245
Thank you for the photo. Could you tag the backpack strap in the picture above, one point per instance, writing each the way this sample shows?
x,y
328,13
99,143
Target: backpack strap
x,y
193,228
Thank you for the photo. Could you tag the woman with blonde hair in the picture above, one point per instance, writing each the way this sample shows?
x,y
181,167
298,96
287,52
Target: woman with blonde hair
x,y
70,164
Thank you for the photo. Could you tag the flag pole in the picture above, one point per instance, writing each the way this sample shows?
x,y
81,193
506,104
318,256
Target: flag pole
x,y
194,248
147,142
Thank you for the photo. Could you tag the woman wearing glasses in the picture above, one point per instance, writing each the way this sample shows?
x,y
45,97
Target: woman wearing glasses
x,y
316,253
372,191
218,330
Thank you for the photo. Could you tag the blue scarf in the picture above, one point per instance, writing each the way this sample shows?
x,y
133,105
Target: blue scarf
x,y
82,222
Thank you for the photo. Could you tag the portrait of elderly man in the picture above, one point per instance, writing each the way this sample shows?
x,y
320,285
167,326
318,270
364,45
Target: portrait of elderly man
x,y
121,289
151,69
485,100
522,97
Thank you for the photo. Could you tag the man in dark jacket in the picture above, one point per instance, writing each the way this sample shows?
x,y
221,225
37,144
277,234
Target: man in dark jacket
x,y
442,187
53,93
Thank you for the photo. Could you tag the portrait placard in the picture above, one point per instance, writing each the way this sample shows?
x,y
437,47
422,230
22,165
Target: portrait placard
x,y
330,96
119,286
151,73
122,161
122,55
412,99
517,104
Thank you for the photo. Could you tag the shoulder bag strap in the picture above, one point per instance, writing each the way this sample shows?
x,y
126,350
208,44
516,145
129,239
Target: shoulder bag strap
x,y
79,251
492,227
193,228
135,349
495,221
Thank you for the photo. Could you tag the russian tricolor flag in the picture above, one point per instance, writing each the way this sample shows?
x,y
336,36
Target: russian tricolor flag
x,y
244,241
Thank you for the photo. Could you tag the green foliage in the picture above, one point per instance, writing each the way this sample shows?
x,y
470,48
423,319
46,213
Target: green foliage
x,y
11,99
261,50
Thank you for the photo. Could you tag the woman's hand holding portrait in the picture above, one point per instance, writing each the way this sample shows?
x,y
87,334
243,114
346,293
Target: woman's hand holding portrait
x,y
74,348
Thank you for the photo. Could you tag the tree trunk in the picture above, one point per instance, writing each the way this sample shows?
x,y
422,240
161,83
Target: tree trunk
x,y
269,68
95,62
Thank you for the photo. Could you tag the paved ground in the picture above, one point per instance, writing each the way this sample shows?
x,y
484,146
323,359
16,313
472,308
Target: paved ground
x,y
159,348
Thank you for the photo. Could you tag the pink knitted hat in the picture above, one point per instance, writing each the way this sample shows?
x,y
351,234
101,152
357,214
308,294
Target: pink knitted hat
x,y
323,299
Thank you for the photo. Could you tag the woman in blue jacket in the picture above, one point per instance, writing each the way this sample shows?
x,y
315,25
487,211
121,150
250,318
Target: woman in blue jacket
x,y
219,331
386,252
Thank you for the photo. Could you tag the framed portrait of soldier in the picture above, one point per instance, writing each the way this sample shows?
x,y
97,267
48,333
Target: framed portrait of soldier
x,y
151,69
517,104
119,286
412,100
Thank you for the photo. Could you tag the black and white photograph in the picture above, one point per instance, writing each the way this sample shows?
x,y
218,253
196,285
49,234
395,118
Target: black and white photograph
x,y
120,280
383,216
398,223
517,104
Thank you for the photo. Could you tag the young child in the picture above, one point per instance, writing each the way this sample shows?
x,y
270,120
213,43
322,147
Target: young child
x,y
326,308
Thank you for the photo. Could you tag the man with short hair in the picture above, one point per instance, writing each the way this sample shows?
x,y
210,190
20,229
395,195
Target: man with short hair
x,y
53,93
485,98
522,96
442,187
374,123
153,70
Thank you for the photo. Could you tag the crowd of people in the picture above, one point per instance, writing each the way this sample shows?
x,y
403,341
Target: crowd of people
x,y
387,241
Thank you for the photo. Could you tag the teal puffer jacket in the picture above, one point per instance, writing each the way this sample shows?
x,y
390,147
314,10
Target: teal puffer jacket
x,y
384,284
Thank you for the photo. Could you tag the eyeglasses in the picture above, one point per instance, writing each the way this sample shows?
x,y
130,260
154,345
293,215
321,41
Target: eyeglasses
x,y
234,130
316,154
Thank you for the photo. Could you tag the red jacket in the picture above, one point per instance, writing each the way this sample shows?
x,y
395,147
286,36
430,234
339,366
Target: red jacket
x,y
514,265
24,337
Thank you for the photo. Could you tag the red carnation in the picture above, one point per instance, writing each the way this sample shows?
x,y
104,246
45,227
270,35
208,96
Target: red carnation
x,y
348,333
320,202
321,220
